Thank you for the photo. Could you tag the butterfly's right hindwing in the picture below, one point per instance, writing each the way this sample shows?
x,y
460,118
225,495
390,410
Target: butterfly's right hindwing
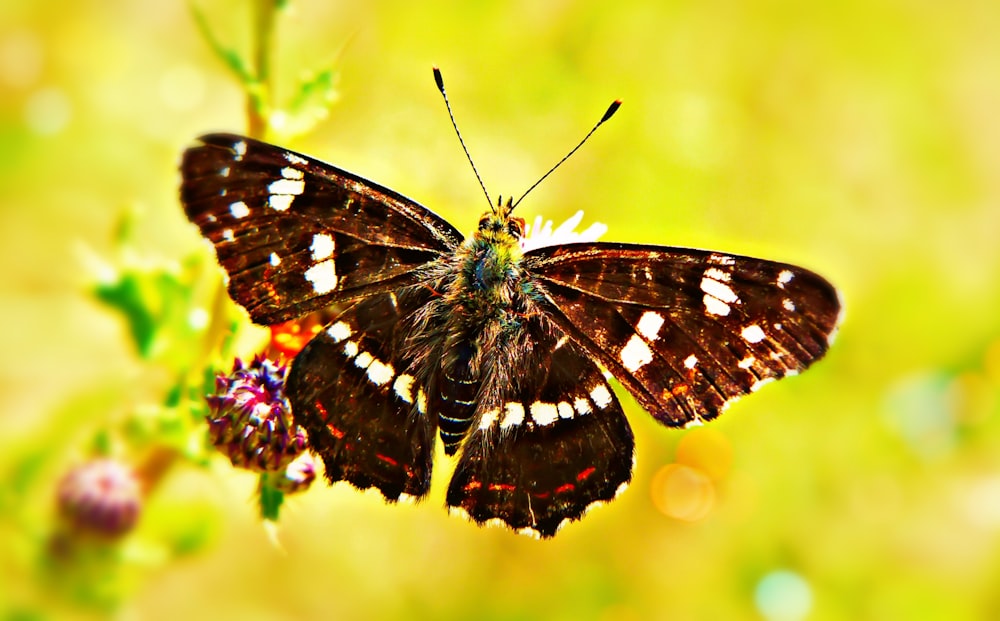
x,y
354,392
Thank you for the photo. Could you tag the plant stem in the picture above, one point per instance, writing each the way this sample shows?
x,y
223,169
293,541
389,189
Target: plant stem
x,y
259,99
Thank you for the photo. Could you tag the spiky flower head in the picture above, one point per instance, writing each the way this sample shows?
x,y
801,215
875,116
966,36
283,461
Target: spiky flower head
x,y
101,496
250,420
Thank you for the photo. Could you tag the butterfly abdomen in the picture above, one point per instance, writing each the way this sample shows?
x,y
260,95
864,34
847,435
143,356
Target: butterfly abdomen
x,y
459,387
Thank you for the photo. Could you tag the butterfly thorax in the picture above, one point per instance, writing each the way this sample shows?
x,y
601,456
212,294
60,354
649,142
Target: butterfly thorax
x,y
489,264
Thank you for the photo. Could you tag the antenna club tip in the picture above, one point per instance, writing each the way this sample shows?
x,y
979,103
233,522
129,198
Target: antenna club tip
x,y
438,79
611,110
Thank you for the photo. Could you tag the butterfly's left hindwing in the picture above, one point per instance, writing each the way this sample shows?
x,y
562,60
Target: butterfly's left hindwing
x,y
295,234
354,392
554,444
686,331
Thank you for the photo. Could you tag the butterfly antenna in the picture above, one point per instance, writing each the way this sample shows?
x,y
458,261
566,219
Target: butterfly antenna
x,y
607,115
440,84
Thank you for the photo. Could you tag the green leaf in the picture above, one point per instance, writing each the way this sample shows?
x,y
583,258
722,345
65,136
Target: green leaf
x,y
125,295
231,58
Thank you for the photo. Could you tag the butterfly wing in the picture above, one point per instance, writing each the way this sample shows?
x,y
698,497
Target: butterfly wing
x,y
354,392
686,331
295,234
554,443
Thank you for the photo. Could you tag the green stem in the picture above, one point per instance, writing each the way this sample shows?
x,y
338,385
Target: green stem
x,y
258,99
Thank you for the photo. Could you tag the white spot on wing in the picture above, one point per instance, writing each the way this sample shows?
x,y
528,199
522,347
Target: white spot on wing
x,y
323,277
380,373
753,334
718,289
788,305
715,306
582,406
513,415
649,325
339,331
544,413
785,277
351,349
717,274
239,209
565,409
280,202
636,354
275,260
403,387
322,246
601,396
228,235
488,419
421,401
241,150
287,186
291,173
691,361
746,363
363,360
721,259
295,159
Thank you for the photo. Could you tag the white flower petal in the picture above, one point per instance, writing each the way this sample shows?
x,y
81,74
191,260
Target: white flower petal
x,y
540,233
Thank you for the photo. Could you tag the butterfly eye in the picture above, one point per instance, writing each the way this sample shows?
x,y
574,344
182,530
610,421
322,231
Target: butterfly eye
x,y
484,223
515,226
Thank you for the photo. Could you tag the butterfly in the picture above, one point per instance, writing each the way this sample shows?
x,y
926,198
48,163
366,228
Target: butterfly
x,y
502,353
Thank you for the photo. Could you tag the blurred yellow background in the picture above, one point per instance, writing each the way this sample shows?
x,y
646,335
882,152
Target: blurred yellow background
x,y
858,139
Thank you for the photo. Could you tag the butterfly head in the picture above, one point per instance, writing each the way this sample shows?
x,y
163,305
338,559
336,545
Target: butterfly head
x,y
497,226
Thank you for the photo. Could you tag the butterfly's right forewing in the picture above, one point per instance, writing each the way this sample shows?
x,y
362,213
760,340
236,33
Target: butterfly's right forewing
x,y
296,235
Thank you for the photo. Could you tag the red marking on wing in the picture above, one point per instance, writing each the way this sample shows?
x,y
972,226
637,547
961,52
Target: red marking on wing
x,y
387,459
586,473
568,487
502,487
336,432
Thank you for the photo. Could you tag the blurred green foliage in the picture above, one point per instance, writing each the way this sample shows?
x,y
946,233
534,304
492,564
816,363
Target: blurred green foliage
x,y
855,138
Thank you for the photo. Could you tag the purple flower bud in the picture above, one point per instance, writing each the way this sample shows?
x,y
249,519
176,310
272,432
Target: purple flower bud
x,y
250,420
298,476
101,496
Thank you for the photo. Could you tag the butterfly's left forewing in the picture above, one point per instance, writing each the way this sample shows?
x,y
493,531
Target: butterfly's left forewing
x,y
686,331
295,234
